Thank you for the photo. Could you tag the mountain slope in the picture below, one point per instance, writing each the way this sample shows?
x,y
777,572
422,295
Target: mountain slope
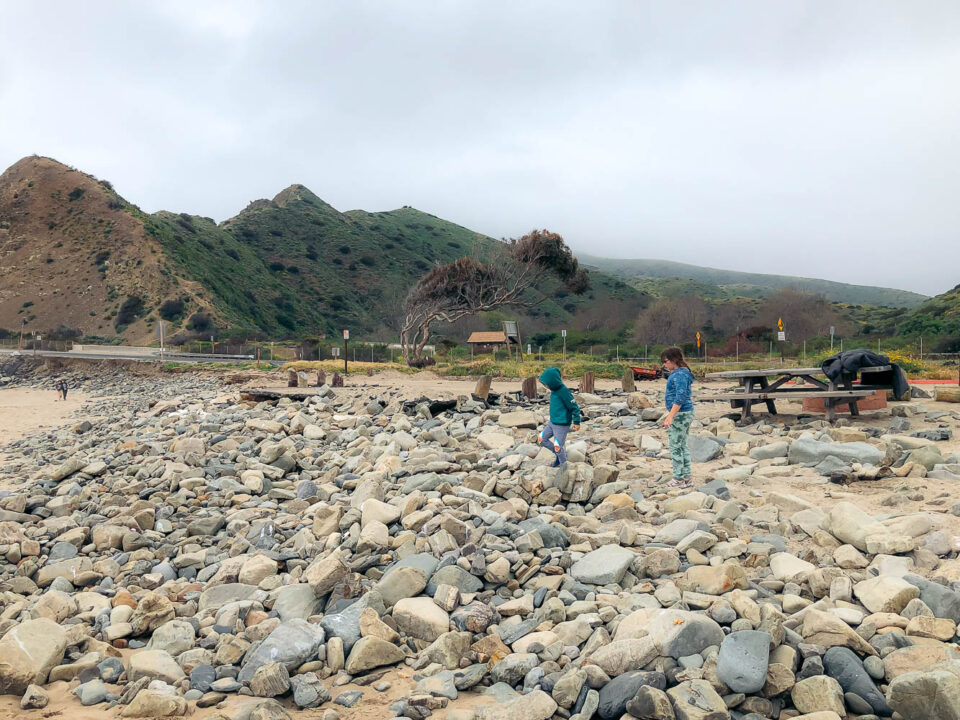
x,y
645,274
74,254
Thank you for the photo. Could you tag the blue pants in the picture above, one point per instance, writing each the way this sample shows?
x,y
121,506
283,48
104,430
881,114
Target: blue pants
x,y
553,438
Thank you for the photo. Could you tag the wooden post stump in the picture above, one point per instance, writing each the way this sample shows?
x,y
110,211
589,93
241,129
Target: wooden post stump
x,y
292,379
529,388
628,384
587,382
482,390
321,378
337,380
948,394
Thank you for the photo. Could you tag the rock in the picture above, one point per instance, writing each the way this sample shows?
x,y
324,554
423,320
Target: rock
x,y
421,618
513,668
92,692
270,680
296,601
603,566
944,602
324,574
885,594
371,652
807,451
703,449
621,656
154,703
518,419
27,654
828,630
401,582
743,659
818,693
678,633
615,695
790,568
930,693
292,643
697,700
34,698
173,637
535,706
154,665
651,704
843,665
714,580
308,691
498,442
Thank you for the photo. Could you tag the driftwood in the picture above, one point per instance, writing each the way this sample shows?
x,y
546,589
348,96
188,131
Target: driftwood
x,y
435,407
337,380
482,390
587,382
292,379
948,394
628,384
529,388
321,378
258,396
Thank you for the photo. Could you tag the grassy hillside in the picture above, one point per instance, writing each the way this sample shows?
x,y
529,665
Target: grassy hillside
x,y
647,274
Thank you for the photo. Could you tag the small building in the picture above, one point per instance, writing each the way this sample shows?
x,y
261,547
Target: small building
x,y
484,342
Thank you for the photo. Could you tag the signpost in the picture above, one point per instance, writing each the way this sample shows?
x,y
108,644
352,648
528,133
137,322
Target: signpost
x,y
160,333
563,333
346,338
832,331
781,336
698,342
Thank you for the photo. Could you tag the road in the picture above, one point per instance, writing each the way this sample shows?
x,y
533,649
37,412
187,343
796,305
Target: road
x,y
119,354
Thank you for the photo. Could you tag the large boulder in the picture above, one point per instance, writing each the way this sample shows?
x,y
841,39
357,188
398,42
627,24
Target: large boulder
x,y
851,525
807,451
292,643
27,654
743,659
933,692
679,633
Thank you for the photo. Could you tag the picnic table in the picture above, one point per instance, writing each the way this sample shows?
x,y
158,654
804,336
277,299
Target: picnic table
x,y
756,387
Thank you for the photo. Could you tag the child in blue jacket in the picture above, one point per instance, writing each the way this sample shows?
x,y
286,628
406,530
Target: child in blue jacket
x,y
680,415
564,414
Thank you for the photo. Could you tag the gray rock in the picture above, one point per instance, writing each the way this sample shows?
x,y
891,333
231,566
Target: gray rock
x,y
842,664
308,691
807,451
743,660
603,566
702,449
292,643
615,695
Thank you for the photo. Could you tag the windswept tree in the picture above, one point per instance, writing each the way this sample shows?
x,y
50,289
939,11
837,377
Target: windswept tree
x,y
468,286
671,321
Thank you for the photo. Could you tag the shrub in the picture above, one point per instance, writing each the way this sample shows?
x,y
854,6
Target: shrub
x,y
75,194
130,310
200,322
172,309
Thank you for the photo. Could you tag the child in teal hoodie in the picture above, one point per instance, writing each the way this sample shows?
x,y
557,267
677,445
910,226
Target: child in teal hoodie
x,y
564,413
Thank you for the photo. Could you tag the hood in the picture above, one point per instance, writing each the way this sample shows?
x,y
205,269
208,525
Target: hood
x,y
551,378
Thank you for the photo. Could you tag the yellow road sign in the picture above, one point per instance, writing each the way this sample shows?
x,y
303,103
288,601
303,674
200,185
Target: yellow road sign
x,y
698,339
780,324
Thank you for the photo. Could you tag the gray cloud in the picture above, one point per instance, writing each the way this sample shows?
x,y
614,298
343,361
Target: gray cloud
x,y
791,137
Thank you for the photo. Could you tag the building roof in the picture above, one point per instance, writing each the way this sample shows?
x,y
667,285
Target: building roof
x,y
496,336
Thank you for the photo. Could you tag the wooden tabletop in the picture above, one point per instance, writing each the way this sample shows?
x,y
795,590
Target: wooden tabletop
x,y
781,372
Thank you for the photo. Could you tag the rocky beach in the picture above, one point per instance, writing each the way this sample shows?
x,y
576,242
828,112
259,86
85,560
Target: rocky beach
x,y
170,546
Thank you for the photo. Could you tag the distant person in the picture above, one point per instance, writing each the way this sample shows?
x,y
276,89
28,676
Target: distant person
x,y
564,415
680,415
58,387
63,389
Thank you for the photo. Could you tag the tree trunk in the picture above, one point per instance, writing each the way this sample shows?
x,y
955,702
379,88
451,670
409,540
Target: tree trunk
x,y
482,390
948,394
321,378
337,380
292,379
627,382
586,382
529,388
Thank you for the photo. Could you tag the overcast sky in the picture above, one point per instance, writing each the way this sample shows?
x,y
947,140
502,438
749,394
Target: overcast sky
x,y
805,138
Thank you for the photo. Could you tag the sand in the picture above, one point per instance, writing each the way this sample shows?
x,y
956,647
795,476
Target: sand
x,y
26,410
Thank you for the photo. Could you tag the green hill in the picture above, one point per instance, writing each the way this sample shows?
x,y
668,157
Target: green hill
x,y
651,276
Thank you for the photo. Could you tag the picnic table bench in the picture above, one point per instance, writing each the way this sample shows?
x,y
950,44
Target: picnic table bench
x,y
755,388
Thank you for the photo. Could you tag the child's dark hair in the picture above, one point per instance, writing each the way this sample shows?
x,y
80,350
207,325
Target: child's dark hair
x,y
674,355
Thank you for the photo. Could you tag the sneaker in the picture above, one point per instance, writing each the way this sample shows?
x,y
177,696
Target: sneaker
x,y
556,462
